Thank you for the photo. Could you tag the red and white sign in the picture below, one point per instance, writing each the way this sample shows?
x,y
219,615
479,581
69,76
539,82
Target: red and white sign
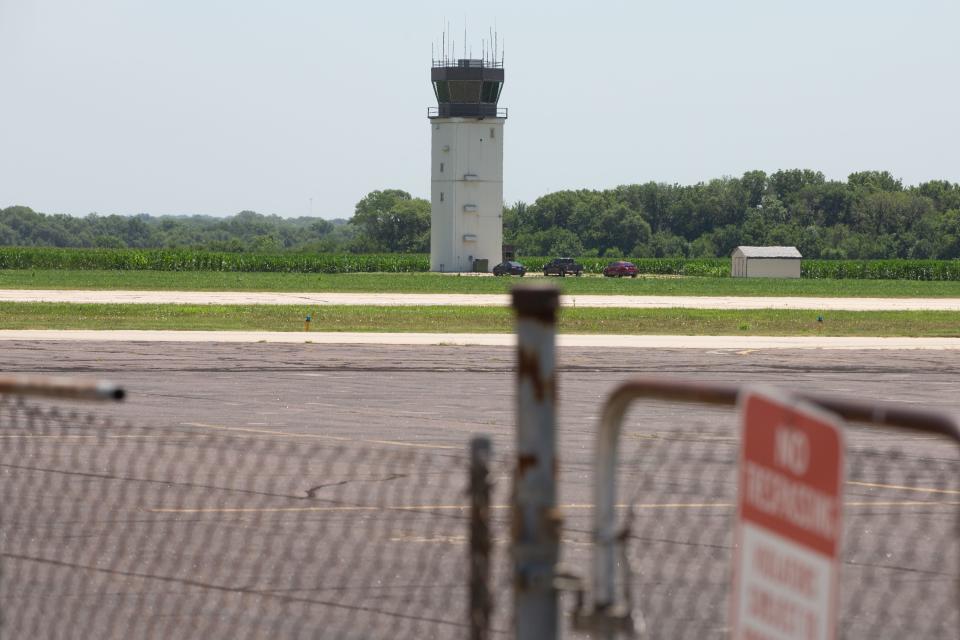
x,y
789,521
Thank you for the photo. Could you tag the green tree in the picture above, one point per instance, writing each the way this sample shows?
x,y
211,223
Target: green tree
x,y
874,181
565,243
393,221
946,240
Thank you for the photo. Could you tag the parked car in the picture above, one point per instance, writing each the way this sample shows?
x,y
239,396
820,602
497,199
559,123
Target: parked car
x,y
509,268
620,268
562,266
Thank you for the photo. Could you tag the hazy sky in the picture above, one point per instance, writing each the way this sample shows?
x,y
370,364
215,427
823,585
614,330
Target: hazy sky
x,y
212,107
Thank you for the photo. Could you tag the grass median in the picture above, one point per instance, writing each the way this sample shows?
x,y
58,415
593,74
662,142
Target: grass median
x,y
436,319
440,283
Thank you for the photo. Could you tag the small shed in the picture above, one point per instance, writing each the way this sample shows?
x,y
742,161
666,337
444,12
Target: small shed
x,y
765,262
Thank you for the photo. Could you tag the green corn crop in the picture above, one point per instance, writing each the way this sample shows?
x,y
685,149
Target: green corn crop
x,y
191,260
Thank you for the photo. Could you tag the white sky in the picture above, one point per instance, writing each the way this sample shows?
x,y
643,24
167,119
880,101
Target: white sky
x,y
215,106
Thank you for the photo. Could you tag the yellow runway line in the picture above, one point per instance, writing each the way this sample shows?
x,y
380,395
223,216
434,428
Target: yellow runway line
x,y
902,503
419,507
569,507
439,507
424,507
75,436
875,485
317,436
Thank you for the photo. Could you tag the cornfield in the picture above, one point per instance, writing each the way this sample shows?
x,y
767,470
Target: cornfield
x,y
191,260
881,269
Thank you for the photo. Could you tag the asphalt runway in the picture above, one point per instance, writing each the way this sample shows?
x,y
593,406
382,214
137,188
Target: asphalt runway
x,y
307,490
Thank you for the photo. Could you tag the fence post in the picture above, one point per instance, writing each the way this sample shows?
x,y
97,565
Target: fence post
x,y
536,522
481,601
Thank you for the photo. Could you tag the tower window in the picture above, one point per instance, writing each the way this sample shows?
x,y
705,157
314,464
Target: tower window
x,y
492,133
441,196
441,167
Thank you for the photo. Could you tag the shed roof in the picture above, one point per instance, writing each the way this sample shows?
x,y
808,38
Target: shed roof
x,y
769,252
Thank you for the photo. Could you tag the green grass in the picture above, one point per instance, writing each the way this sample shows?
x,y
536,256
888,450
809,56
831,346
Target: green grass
x,y
475,320
437,283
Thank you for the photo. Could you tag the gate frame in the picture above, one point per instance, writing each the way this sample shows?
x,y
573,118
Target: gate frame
x,y
605,616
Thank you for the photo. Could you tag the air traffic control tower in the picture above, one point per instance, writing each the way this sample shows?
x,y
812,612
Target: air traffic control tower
x,y
466,219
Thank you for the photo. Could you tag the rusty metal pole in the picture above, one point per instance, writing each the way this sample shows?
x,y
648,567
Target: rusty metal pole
x,y
536,522
60,387
481,545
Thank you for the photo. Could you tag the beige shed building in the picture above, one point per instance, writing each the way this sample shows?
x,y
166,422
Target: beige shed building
x,y
765,262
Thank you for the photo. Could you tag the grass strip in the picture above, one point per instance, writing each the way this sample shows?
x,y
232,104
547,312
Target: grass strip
x,y
435,319
439,283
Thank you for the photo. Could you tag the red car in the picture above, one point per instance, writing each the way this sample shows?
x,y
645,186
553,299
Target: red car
x,y
620,269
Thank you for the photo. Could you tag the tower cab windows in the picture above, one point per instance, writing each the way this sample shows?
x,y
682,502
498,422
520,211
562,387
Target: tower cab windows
x,y
467,88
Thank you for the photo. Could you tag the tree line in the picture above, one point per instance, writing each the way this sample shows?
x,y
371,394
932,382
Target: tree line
x,y
870,215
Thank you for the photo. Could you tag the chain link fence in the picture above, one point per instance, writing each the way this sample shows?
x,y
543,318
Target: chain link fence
x,y
124,530
121,530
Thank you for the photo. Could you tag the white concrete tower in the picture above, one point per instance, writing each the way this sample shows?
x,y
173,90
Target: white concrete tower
x,y
466,220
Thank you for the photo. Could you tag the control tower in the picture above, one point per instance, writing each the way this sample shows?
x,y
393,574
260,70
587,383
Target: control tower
x,y
466,219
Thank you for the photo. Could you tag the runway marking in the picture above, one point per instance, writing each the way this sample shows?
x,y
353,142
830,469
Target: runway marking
x,y
444,539
903,503
876,485
418,507
464,539
75,436
318,436
462,507
442,507
424,415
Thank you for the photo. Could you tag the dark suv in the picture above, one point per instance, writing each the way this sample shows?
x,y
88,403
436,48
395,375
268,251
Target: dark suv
x,y
561,267
509,268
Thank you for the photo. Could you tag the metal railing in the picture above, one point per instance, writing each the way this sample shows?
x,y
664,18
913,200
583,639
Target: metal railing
x,y
466,63
467,110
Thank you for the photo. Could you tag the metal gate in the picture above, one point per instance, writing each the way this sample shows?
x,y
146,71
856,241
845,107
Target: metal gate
x,y
661,558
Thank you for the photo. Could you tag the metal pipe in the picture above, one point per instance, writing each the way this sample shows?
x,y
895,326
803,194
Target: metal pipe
x,y
608,437
60,387
535,520
480,605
